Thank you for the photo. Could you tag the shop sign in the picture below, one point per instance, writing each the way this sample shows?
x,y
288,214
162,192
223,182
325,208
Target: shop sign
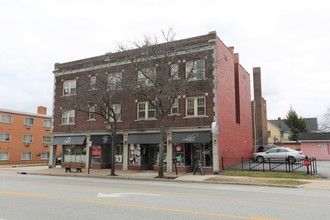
x,y
119,158
191,138
67,141
96,151
105,139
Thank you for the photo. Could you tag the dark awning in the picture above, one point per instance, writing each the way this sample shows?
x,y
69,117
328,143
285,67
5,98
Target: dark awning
x,y
143,139
77,140
191,137
105,139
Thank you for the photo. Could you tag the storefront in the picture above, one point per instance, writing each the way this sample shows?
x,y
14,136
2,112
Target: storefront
x,y
73,148
143,151
191,146
101,151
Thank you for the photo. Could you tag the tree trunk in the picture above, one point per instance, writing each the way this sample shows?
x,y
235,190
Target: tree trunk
x,y
161,149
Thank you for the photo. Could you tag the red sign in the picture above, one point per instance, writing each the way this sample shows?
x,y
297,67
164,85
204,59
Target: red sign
x,y
178,148
96,151
307,163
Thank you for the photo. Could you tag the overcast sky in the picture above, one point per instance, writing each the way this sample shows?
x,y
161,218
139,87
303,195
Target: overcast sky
x,y
288,39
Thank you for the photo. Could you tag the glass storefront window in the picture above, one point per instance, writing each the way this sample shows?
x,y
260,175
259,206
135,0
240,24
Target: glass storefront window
x,y
74,153
186,154
135,154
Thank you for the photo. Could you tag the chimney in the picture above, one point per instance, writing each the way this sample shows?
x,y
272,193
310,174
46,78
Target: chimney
x,y
42,110
279,122
236,57
257,83
231,49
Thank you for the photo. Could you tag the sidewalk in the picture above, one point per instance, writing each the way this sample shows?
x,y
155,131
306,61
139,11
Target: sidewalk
x,y
322,184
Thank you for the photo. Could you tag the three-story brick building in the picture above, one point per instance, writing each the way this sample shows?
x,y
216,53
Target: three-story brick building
x,y
192,124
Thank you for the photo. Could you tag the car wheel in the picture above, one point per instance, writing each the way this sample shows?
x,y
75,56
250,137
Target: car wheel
x,y
260,159
291,160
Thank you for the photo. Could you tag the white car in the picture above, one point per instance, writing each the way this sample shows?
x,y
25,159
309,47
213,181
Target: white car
x,y
278,154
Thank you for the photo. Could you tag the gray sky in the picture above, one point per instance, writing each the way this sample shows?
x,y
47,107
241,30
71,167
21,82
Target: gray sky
x,y
289,40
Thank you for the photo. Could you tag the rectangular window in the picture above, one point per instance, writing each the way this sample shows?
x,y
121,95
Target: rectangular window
x,y
116,111
195,106
115,81
91,113
69,87
47,123
4,137
175,107
195,70
175,71
147,76
68,117
146,111
4,156
93,82
6,118
44,156
27,138
26,156
29,121
45,139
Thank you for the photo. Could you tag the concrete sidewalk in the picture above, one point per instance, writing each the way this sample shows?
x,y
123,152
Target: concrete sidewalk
x,y
323,184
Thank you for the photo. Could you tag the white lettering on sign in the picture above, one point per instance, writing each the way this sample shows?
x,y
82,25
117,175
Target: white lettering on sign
x,y
191,137
105,139
68,140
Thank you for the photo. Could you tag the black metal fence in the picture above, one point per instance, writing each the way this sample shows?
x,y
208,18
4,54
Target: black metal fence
x,y
308,166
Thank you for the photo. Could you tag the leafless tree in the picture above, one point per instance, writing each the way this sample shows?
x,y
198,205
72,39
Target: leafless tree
x,y
101,95
325,127
158,80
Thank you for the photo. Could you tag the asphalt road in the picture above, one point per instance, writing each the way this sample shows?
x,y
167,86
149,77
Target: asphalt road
x,y
50,197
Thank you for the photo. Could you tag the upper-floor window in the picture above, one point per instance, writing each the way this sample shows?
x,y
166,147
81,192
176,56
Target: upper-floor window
x,y
93,82
91,113
195,106
195,70
116,108
47,123
175,71
146,111
68,117
4,137
4,156
27,138
115,81
28,121
175,107
69,87
45,139
6,118
147,76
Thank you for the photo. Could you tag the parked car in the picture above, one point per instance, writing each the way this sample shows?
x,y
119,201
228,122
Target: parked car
x,y
279,154
263,148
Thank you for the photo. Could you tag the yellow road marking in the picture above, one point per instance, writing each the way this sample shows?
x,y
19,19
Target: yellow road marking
x,y
44,196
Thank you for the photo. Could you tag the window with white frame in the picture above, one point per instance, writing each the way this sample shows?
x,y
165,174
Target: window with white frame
x,y
115,81
195,106
4,137
195,70
175,71
146,111
47,123
147,76
93,82
4,156
69,87
27,138
175,107
6,118
68,117
26,156
91,113
44,155
45,139
116,111
29,121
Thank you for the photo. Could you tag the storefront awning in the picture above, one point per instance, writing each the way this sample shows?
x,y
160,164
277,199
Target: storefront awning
x,y
143,138
191,137
77,140
105,139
